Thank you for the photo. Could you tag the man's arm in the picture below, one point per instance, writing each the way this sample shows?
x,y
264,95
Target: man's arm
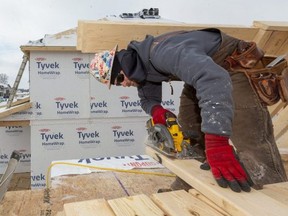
x,y
150,94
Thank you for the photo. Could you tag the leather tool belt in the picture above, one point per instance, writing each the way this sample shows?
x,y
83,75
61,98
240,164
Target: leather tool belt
x,y
267,75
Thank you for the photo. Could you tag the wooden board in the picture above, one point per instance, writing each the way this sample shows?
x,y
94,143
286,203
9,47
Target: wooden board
x,y
22,123
203,198
278,191
140,205
182,203
97,207
76,188
280,122
234,203
172,203
102,35
271,25
6,112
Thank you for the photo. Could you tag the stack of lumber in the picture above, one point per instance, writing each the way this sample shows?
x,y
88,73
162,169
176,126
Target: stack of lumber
x,y
207,198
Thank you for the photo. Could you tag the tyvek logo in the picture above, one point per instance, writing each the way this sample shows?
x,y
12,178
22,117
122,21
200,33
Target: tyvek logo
x,y
14,130
80,68
98,107
25,157
51,140
88,139
38,181
130,106
66,108
169,104
121,136
47,70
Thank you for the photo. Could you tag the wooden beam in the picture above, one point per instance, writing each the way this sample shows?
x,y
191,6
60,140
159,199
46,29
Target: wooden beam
x,y
95,36
235,204
22,123
6,112
48,48
271,25
275,43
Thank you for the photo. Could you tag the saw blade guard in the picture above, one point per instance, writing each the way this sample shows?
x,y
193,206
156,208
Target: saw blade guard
x,y
161,134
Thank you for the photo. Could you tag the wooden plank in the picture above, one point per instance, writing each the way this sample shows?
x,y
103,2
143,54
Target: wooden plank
x,y
275,42
140,205
278,191
282,141
26,48
283,49
284,154
274,109
234,203
271,25
98,207
22,123
203,198
280,122
262,37
6,112
102,35
180,202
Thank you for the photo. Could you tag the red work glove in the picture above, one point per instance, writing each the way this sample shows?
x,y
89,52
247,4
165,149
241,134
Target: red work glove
x,y
225,168
159,114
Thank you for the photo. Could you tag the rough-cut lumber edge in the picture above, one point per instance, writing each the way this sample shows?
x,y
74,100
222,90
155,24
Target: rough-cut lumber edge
x,y
278,191
203,198
140,205
235,204
271,25
98,207
180,202
15,109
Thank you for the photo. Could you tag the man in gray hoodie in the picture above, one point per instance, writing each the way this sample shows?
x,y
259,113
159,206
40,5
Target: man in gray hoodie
x,y
214,101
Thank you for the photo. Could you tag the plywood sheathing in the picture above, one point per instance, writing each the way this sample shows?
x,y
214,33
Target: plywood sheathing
x,y
75,188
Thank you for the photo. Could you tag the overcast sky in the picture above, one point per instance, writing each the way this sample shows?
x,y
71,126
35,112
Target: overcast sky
x,y
25,20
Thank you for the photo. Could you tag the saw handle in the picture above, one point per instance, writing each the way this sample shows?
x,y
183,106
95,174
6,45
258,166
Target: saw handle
x,y
160,115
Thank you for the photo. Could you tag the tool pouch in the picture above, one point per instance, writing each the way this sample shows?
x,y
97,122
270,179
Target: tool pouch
x,y
247,55
269,82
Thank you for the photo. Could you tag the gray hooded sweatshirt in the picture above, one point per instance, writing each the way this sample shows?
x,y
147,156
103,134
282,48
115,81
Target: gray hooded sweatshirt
x,y
185,56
